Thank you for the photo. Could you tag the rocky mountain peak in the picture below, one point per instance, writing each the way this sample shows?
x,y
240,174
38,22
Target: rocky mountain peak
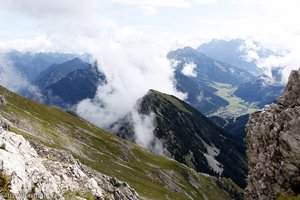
x,y
291,95
273,143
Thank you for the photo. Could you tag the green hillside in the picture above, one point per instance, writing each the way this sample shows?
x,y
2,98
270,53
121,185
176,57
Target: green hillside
x,y
192,139
237,106
153,177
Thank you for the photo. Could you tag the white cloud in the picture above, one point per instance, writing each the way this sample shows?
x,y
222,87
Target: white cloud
x,y
164,3
45,8
273,4
39,43
155,3
251,55
148,10
189,69
133,63
9,76
250,50
144,126
204,1
288,62
200,97
66,13
251,45
79,8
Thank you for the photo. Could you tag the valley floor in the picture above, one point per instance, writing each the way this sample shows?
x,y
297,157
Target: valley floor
x,y
236,107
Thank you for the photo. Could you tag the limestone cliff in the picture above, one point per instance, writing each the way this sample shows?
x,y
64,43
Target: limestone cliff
x,y
31,170
273,143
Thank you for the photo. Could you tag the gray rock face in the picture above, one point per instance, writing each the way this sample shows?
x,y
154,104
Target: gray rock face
x,y
4,125
2,100
231,191
273,143
45,173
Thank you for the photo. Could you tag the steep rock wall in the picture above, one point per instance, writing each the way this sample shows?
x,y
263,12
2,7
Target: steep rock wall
x,y
273,146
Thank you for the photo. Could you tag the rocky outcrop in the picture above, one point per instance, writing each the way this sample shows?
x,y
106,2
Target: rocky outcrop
x,y
273,142
4,124
44,173
231,190
2,100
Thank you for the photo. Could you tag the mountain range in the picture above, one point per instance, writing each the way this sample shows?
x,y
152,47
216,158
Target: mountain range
x,y
74,87
209,77
261,90
64,150
31,64
56,72
205,132
237,52
208,74
212,87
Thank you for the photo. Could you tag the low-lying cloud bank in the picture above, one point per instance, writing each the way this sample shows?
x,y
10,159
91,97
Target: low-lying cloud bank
x,y
133,64
282,61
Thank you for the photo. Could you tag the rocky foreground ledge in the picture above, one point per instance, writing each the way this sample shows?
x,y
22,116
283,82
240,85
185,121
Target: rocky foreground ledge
x,y
273,143
32,171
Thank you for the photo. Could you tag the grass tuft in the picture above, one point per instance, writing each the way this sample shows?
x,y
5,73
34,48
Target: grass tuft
x,y
4,186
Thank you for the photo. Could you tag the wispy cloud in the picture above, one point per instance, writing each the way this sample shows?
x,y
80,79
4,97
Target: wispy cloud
x,y
9,76
144,126
133,64
189,69
164,3
37,44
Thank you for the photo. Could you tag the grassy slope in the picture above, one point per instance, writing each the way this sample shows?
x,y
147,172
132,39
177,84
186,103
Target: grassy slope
x,y
153,177
236,106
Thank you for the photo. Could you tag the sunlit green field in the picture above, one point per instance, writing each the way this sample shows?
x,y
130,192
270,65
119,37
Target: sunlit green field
x,y
237,106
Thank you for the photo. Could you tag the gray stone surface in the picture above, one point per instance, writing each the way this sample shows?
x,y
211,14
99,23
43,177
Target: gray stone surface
x,y
273,146
2,100
47,173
